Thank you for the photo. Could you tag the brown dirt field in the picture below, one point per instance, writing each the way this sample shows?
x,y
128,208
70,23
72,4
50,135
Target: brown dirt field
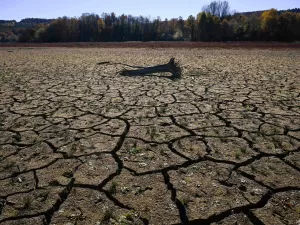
x,y
167,44
81,144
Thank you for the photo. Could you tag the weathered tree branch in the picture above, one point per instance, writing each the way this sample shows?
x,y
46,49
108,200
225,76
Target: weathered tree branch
x,y
171,67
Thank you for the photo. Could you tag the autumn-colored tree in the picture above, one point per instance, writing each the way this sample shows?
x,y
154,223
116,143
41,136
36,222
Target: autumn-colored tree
x,y
269,24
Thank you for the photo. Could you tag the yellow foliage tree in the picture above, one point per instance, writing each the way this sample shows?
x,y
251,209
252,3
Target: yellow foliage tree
x,y
269,22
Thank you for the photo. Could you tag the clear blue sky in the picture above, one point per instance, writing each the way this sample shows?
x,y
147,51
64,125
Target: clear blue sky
x,y
20,9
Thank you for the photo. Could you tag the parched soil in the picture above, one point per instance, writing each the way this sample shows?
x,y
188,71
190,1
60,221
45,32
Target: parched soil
x,y
81,144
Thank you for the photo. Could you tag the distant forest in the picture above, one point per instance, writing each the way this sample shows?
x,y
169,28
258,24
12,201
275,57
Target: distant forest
x,y
216,22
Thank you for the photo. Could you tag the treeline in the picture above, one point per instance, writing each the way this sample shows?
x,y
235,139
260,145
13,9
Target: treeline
x,y
214,23
295,10
7,22
258,13
36,20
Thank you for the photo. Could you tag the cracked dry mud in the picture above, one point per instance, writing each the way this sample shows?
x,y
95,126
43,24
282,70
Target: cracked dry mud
x,y
80,144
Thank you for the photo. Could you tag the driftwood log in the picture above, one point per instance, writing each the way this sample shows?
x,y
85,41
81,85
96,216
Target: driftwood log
x,y
171,67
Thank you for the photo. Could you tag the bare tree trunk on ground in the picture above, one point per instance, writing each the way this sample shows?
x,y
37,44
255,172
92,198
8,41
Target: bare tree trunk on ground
x,y
171,67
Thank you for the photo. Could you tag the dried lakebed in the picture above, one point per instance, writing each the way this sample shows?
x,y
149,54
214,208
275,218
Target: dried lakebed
x,y
81,144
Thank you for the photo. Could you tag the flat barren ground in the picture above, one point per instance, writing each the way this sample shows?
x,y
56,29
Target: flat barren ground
x,y
81,144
